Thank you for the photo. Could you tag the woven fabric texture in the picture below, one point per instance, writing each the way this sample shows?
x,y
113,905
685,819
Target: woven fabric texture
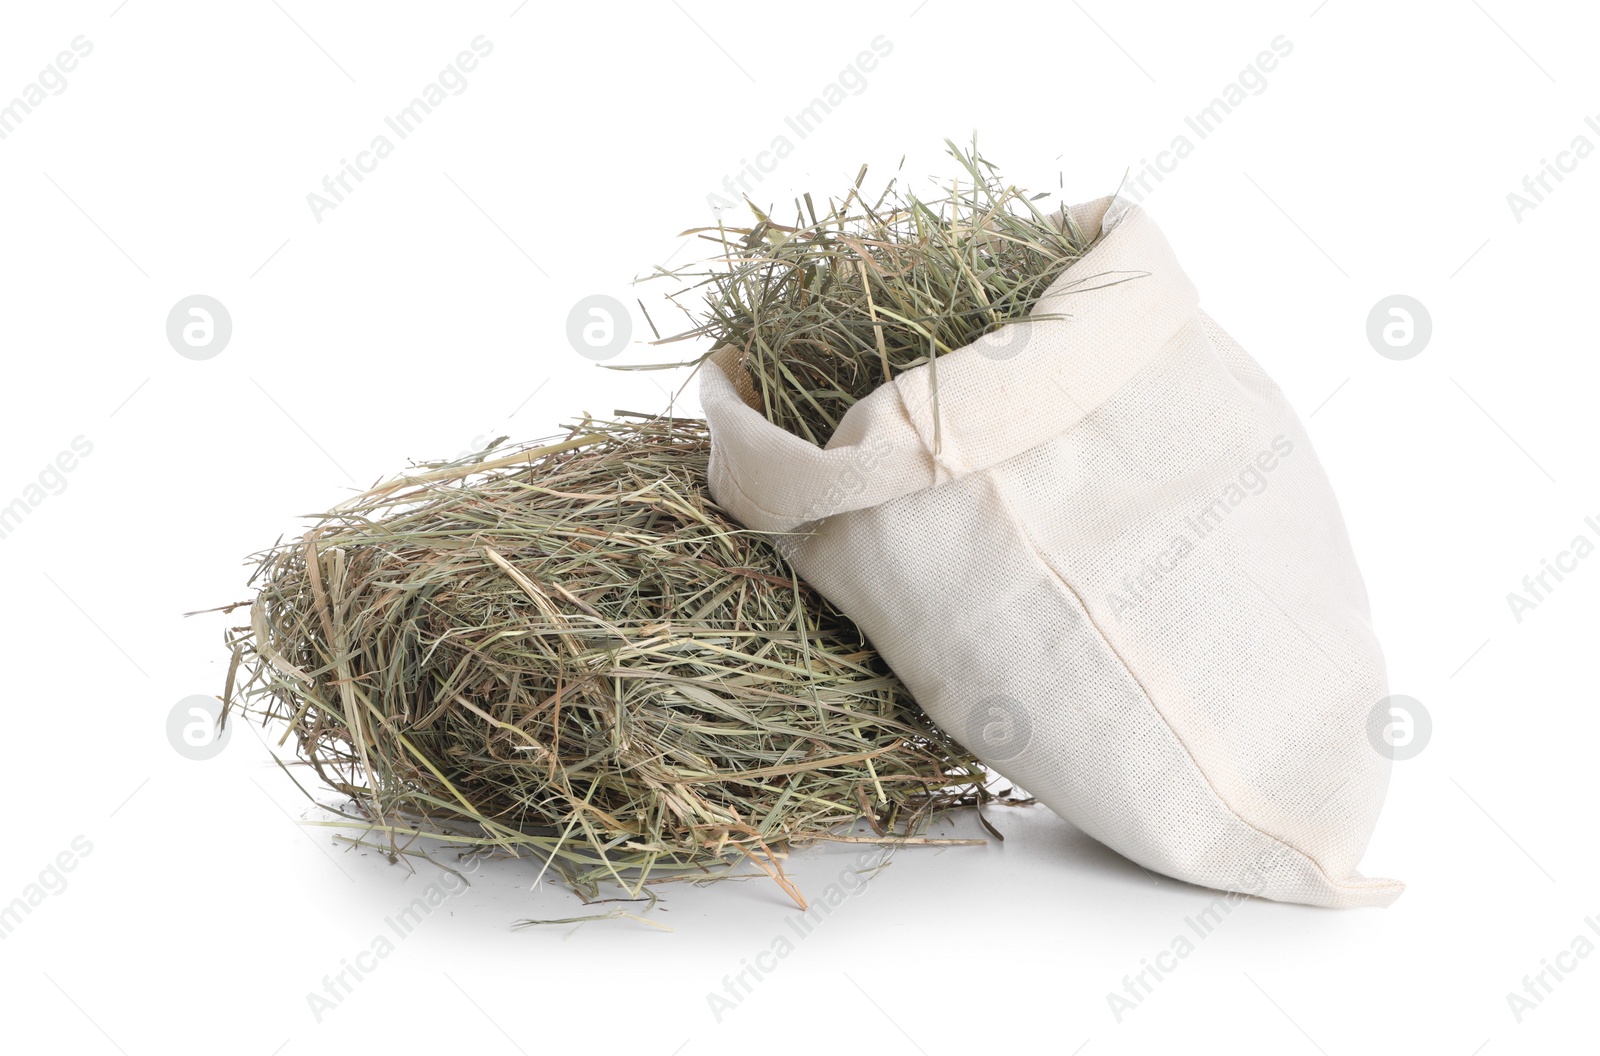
x,y
1102,553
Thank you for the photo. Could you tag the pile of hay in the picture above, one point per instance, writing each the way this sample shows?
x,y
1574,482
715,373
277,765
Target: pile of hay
x,y
570,651
826,309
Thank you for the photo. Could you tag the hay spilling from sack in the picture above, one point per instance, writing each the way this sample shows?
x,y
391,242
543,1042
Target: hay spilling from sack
x,y
829,307
570,651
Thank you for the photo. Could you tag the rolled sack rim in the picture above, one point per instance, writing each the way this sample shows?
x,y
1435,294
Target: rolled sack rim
x,y
900,439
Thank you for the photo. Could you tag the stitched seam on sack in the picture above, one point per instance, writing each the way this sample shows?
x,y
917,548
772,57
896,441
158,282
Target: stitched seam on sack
x,y
732,478
720,469
937,460
960,468
1336,884
725,474
1038,553
1149,699
1128,220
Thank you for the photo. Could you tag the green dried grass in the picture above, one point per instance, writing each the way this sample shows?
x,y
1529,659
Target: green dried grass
x,y
826,309
570,651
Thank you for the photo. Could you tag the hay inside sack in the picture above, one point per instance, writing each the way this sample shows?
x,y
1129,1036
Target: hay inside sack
x,y
570,651
824,310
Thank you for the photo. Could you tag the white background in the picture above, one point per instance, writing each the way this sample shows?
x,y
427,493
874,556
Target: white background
x,y
427,313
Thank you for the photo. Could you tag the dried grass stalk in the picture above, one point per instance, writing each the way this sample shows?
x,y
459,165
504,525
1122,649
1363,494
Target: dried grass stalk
x,y
826,309
570,651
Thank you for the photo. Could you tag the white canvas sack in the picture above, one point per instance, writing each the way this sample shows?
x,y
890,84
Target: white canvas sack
x,y
1111,566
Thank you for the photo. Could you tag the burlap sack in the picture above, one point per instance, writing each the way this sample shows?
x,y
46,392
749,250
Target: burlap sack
x,y
1112,566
